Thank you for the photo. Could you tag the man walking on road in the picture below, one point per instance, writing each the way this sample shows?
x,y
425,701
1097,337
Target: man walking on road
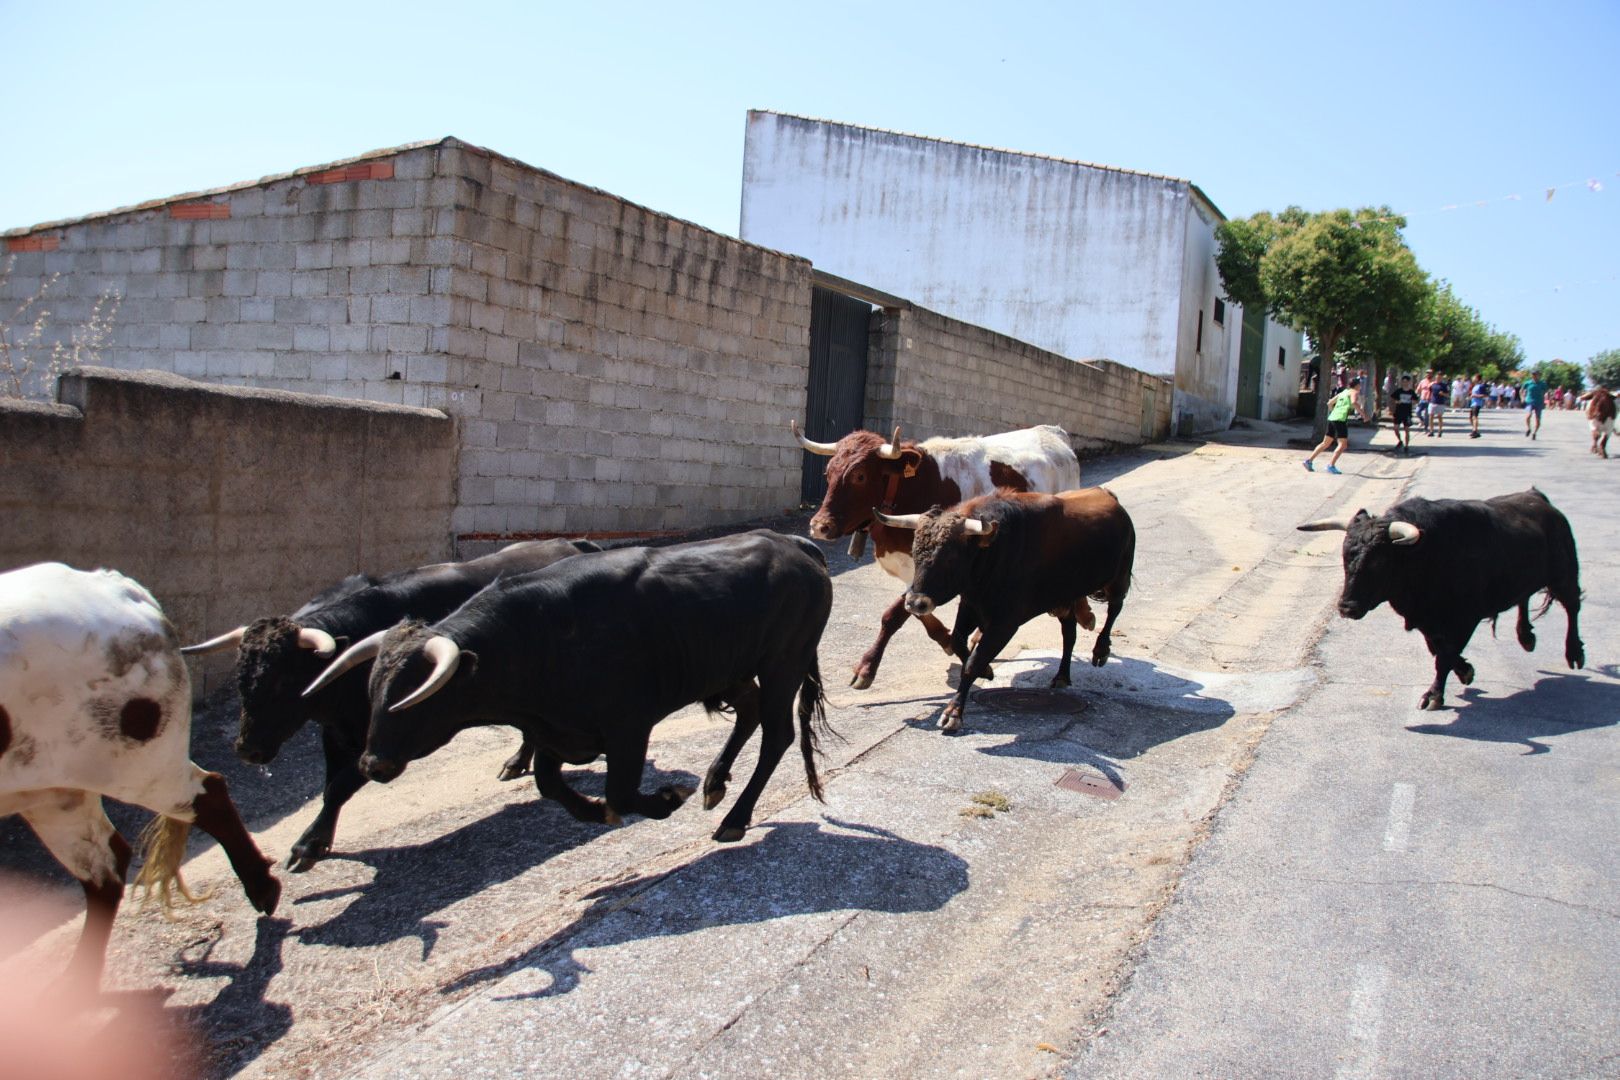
x,y
1439,398
1338,426
1401,401
1477,391
1535,399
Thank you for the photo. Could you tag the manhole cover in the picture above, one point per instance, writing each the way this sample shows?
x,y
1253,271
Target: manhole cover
x,y
1089,783
1014,699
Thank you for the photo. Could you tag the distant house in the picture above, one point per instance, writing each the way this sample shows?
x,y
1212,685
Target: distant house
x,y
1085,261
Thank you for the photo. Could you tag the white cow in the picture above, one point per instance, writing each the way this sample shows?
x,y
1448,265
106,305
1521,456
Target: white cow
x,y
95,700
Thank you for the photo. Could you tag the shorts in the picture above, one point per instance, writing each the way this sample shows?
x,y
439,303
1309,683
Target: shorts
x,y
1475,405
1535,409
1403,415
1339,429
1599,427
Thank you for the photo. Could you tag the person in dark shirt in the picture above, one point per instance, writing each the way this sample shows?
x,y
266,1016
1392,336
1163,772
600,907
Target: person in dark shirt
x,y
1401,400
1439,398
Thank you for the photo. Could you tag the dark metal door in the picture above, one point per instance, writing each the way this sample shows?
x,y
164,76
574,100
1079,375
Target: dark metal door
x,y
1251,362
835,402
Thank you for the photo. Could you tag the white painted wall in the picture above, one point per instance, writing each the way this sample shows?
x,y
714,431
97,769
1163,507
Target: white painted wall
x,y
1083,261
1281,399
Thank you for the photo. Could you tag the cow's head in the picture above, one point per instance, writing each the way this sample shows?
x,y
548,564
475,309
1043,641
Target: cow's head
x,y
418,694
278,658
1373,552
943,545
864,472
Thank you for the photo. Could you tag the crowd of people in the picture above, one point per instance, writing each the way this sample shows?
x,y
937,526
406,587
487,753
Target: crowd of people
x,y
1427,401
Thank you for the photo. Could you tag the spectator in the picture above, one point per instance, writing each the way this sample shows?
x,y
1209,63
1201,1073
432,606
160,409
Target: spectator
x,y
1535,399
1478,393
1401,401
1440,393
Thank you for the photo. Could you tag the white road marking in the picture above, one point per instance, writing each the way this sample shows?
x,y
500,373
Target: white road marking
x,y
1366,1022
1400,817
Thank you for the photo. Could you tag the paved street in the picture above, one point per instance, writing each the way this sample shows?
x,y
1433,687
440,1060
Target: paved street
x,y
1394,893
1262,858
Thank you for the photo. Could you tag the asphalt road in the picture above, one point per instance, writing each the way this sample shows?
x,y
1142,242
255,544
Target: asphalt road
x,y
1236,849
1399,893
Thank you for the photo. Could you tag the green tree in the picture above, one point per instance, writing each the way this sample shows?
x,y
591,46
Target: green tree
x,y
1556,373
1465,344
1344,277
1604,369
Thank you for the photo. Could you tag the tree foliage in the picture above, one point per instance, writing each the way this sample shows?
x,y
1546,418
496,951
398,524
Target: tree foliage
x,y
1556,373
1345,277
1604,369
1463,343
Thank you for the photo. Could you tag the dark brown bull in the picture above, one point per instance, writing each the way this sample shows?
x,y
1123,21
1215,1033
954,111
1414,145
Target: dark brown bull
x,y
867,473
1011,557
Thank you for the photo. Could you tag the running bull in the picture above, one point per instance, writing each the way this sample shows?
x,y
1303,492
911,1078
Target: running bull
x,y
1446,565
279,656
1011,557
587,656
867,474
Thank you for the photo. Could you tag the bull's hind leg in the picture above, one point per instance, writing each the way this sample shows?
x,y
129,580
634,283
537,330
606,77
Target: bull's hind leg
x,y
73,827
626,757
1574,649
1526,635
1104,645
518,764
744,700
776,735
1067,622
216,815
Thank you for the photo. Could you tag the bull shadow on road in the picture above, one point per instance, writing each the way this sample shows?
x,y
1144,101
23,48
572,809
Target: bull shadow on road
x,y
1559,704
238,1025
795,868
1118,711
414,882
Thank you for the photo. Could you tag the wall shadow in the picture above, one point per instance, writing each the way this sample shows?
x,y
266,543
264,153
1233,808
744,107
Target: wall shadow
x,y
1559,704
412,883
796,868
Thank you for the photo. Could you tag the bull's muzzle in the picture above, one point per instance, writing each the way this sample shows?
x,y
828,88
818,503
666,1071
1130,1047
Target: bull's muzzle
x,y
1350,610
822,528
254,754
918,604
382,770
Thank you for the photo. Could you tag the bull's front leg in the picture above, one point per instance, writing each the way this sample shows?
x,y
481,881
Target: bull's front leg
x,y
343,779
216,815
1067,622
893,618
519,763
991,641
1447,648
626,758
937,631
548,779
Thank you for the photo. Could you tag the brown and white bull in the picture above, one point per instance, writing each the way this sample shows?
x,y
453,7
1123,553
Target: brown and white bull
x,y
867,474
95,701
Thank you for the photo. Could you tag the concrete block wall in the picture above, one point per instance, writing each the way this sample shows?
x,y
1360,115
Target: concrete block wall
x,y
330,280
938,376
227,503
637,373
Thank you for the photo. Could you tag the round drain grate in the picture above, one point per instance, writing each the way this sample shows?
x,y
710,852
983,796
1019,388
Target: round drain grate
x,y
1016,699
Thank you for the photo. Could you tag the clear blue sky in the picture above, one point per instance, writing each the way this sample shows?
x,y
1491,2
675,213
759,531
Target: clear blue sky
x,y
1416,105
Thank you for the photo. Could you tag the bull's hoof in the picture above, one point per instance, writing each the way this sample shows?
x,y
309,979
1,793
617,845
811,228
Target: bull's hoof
x,y
511,772
861,681
265,895
609,817
713,797
1059,682
1576,657
300,864
1431,702
1527,641
728,834
1099,659
950,721
1465,673
307,852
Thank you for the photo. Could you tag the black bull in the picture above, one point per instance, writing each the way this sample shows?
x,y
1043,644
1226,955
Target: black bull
x,y
587,656
1446,565
279,656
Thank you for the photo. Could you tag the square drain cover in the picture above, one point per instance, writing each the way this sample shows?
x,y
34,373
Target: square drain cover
x,y
1089,783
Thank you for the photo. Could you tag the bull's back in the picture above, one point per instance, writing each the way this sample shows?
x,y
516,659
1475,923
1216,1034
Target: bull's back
x,y
1056,549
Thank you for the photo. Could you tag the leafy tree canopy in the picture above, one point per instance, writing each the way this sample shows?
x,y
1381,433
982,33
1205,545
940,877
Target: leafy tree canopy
x,y
1604,369
1556,373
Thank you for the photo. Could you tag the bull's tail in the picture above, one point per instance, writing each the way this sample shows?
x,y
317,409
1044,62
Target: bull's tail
x,y
163,848
813,724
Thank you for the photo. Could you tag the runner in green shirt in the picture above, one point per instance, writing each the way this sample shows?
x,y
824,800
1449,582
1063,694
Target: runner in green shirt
x,y
1338,425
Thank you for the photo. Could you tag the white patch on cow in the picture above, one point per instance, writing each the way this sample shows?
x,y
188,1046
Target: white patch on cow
x,y
1042,455
898,564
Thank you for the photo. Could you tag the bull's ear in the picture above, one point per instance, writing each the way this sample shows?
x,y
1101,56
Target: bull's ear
x,y
468,665
910,462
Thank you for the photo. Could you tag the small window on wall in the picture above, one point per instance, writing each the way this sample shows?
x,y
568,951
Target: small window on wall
x,y
1198,346
1282,356
1220,312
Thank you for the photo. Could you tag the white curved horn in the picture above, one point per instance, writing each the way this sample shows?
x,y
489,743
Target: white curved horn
x,y
446,657
979,527
890,450
1325,525
898,521
224,641
824,449
365,649
1404,532
320,641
